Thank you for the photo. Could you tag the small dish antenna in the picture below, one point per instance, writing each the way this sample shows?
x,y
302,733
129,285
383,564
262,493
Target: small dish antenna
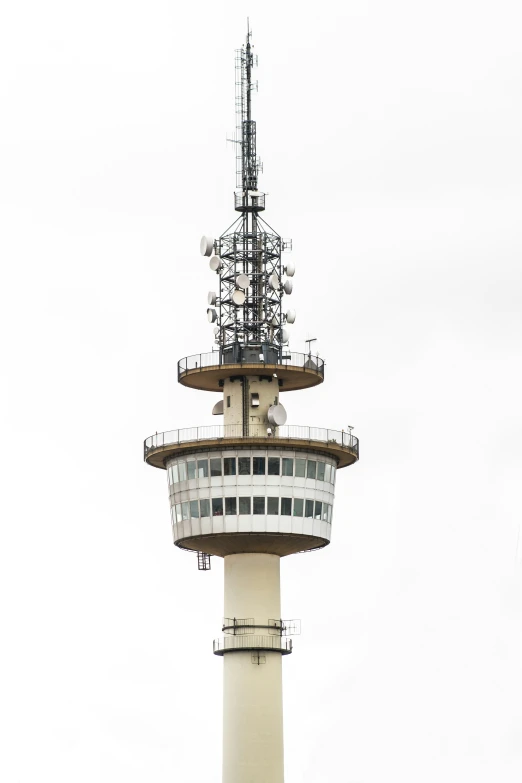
x,y
290,269
211,315
216,330
285,336
276,415
243,281
212,296
288,286
273,282
238,297
215,263
290,315
217,410
206,246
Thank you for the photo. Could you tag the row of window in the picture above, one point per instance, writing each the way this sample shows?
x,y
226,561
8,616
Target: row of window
x,y
205,507
251,466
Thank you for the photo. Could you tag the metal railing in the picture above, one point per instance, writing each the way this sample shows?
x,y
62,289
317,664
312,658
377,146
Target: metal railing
x,y
223,431
251,203
231,643
201,361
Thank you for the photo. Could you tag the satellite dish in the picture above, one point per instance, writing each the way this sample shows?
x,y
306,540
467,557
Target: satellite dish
x,y
212,296
215,263
288,285
290,316
276,415
206,246
216,330
217,410
238,297
275,321
211,315
273,282
290,269
285,336
243,281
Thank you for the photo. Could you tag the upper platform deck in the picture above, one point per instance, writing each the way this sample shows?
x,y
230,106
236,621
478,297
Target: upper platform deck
x,y
207,371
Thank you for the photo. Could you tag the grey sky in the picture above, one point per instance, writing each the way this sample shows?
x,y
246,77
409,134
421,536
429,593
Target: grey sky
x,y
390,134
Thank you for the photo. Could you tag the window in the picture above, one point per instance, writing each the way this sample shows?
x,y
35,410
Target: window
x,y
288,467
300,465
273,466
175,474
194,511
230,506
318,509
330,513
203,468
320,471
259,467
228,401
286,507
259,505
309,509
229,466
217,507
191,469
243,466
333,474
245,505
325,512
272,505
204,507
254,400
298,507
185,510
215,466
311,468
178,512
328,473
182,471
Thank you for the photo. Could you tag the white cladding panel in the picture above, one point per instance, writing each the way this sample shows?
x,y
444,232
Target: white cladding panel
x,y
212,492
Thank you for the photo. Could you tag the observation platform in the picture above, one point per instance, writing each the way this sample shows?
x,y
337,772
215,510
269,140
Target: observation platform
x,y
252,644
207,371
252,201
340,445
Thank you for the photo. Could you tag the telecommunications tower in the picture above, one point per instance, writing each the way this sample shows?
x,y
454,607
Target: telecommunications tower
x,y
253,489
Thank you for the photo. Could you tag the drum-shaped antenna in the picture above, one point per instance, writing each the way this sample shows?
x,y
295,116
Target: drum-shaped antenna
x,y
217,410
290,269
285,336
238,297
212,296
206,246
290,316
243,281
215,263
288,286
273,282
211,315
276,415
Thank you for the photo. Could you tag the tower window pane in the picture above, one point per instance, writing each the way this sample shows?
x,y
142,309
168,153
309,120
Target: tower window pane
x,y
318,509
231,506
298,507
320,471
204,507
259,467
286,507
215,466
333,474
185,510
259,504
217,507
194,511
191,469
325,512
245,505
300,465
272,505
178,512
288,467
273,466
311,469
328,473
182,471
202,468
175,474
229,466
309,509
244,466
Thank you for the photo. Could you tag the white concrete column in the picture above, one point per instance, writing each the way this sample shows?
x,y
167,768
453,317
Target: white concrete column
x,y
252,692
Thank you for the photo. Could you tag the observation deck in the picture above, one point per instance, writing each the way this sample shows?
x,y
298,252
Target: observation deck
x,y
253,201
252,643
207,371
340,445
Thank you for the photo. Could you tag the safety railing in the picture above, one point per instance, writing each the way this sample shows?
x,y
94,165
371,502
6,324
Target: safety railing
x,y
201,361
241,643
222,431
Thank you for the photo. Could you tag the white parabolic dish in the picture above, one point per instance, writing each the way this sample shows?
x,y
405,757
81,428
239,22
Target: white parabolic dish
x,y
242,281
238,297
290,316
276,415
212,298
290,269
206,246
288,286
215,263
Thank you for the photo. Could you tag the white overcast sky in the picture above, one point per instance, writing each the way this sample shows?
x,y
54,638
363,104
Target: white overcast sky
x,y
391,137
